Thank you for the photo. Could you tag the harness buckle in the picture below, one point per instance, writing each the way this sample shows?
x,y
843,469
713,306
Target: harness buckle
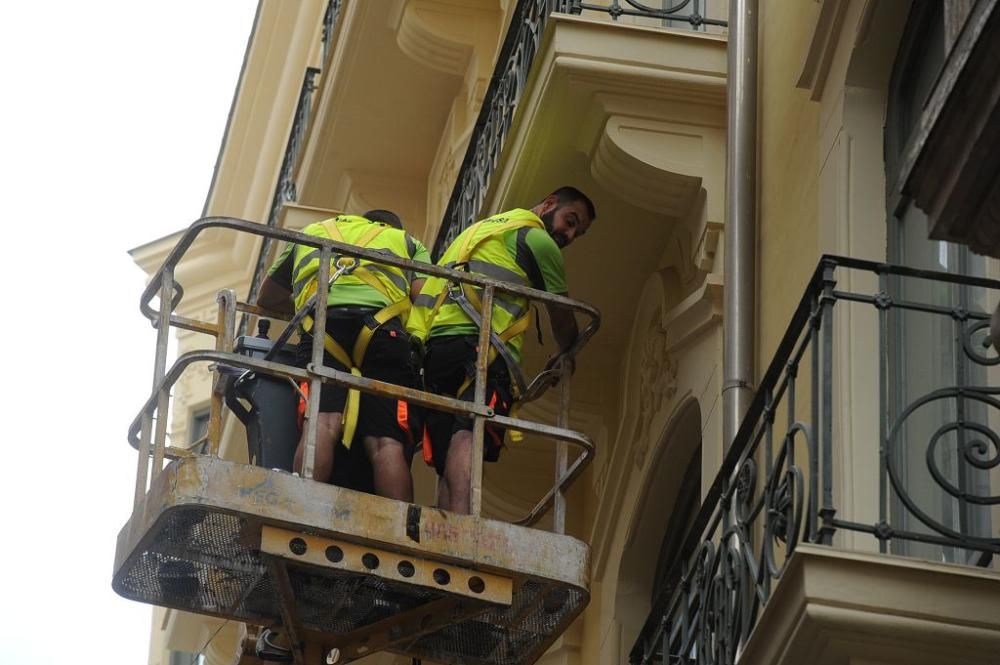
x,y
346,264
456,292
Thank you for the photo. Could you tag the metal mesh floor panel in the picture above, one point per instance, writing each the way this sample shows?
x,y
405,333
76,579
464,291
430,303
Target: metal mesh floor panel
x,y
199,559
196,561
337,602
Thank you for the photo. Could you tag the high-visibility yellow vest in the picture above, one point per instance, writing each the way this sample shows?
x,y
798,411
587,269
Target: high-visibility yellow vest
x,y
389,281
479,249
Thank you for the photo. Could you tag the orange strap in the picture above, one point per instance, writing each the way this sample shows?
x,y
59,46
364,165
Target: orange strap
x,y
428,449
403,419
300,412
497,440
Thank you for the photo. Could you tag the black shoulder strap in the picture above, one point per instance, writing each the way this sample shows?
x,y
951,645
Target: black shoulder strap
x,y
526,260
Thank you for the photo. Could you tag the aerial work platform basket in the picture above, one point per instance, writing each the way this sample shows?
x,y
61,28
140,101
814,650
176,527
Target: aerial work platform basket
x,y
344,573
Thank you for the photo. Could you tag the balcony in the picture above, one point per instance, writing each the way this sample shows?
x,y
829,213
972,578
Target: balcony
x,y
855,515
510,79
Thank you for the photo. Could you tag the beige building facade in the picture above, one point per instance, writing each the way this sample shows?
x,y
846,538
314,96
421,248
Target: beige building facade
x,y
822,534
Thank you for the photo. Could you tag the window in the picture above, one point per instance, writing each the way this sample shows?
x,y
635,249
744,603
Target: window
x,y
185,658
198,430
925,350
681,518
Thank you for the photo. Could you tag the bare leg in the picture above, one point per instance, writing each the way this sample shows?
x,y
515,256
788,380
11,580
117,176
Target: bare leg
x,y
329,428
443,498
457,473
392,473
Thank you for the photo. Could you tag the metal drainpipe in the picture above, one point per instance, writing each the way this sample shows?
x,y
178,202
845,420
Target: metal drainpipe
x,y
741,211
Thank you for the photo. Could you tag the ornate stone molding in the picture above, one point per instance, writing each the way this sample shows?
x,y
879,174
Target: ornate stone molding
x,y
707,245
666,363
444,34
652,164
666,84
822,47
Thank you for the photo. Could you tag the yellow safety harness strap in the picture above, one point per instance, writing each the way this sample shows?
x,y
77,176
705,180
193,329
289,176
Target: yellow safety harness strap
x,y
331,227
384,315
516,328
511,331
354,361
353,405
498,342
466,251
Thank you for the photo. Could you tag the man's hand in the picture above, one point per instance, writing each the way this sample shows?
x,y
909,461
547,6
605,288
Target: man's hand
x,y
415,286
564,327
556,361
555,364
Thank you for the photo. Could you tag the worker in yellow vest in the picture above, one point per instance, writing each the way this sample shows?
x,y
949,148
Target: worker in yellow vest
x,y
367,308
518,246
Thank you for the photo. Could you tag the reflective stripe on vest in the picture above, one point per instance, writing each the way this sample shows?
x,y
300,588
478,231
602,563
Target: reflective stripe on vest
x,y
480,249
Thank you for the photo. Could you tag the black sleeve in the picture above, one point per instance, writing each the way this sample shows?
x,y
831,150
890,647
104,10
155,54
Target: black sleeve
x,y
526,260
281,272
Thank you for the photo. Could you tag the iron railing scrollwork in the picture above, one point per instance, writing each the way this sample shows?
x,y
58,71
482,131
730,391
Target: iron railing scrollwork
x,y
495,118
330,17
686,11
776,487
506,87
285,190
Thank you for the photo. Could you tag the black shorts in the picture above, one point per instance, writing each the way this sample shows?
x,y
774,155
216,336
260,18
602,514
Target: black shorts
x,y
448,362
389,358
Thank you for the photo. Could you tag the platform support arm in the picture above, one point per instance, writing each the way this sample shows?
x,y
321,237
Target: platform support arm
x,y
316,383
562,451
226,331
478,422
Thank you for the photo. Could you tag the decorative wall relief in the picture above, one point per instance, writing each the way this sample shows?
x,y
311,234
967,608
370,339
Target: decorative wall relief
x,y
658,385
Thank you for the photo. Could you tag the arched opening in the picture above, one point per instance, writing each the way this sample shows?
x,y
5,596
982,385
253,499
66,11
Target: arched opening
x,y
666,507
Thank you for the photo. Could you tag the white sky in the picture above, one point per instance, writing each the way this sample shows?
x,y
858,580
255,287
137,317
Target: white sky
x,y
111,116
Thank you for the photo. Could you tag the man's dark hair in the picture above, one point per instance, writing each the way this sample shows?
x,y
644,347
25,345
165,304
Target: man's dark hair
x,y
386,217
567,195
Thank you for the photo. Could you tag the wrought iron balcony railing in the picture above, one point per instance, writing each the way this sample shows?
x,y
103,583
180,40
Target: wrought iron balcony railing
x,y
285,189
924,442
509,78
330,17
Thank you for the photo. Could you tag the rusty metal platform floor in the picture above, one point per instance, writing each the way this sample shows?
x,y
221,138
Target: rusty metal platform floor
x,y
348,570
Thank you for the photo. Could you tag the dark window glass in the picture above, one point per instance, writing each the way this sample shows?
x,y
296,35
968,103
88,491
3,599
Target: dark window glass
x,y
925,351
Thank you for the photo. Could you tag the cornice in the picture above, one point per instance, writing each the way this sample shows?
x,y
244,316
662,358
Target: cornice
x,y
151,255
